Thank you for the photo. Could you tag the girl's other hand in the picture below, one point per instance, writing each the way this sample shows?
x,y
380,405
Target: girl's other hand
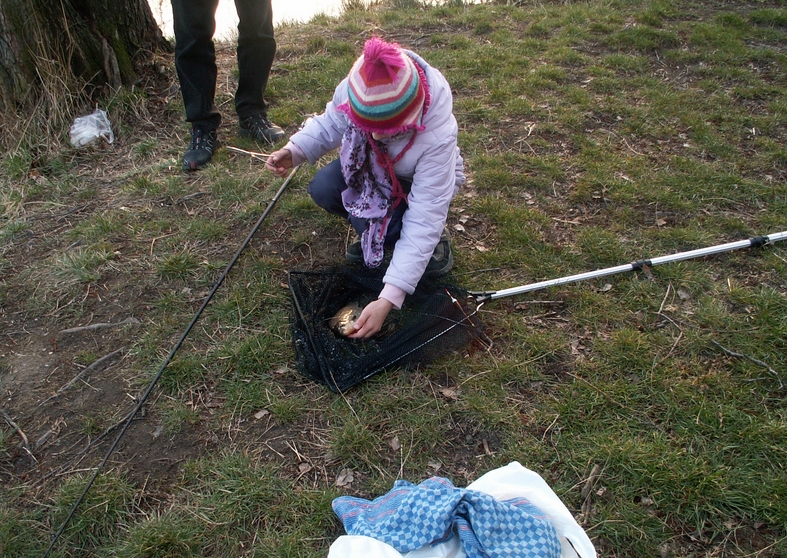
x,y
279,162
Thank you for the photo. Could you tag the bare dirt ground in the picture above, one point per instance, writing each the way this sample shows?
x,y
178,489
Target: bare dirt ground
x,y
49,395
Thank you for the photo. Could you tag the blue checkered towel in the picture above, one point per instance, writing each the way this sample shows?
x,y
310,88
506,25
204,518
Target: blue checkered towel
x,y
409,517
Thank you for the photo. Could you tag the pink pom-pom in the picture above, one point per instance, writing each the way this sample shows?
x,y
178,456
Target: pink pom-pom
x,y
381,58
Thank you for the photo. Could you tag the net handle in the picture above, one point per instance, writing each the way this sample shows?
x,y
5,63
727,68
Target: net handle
x,y
483,296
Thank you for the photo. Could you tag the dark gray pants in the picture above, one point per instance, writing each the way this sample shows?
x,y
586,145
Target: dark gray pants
x,y
195,57
326,190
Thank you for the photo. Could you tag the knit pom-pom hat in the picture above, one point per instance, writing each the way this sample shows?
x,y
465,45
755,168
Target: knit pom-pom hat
x,y
387,90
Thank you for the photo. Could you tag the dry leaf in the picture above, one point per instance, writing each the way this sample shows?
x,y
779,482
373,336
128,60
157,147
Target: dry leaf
x,y
304,468
259,414
394,443
345,477
451,393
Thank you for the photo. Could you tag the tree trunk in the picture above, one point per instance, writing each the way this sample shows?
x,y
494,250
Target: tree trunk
x,y
95,41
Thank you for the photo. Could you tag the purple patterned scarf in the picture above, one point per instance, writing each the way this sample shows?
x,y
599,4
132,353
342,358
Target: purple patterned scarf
x,y
372,188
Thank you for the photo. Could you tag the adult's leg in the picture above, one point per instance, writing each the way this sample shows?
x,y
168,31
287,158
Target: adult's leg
x,y
194,22
256,50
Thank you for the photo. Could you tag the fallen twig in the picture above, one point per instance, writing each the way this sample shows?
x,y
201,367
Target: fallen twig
x,y
18,430
15,426
605,394
587,489
751,358
525,303
664,300
191,196
93,327
82,373
54,431
77,458
680,329
254,155
675,344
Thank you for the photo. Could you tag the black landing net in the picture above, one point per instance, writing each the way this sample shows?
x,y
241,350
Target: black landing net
x,y
433,322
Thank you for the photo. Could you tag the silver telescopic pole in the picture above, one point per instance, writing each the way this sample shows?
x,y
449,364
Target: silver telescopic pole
x,y
699,253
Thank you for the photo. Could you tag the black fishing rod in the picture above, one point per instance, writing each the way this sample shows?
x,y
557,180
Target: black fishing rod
x,y
144,398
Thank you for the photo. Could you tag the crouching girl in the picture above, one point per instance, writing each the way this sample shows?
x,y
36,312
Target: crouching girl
x,y
398,169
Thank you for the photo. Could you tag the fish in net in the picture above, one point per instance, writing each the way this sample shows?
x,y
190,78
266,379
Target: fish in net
x,y
432,322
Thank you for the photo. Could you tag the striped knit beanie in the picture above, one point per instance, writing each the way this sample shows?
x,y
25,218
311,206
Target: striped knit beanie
x,y
387,89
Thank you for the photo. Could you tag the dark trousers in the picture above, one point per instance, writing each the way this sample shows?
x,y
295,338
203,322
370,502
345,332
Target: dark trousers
x,y
195,57
326,190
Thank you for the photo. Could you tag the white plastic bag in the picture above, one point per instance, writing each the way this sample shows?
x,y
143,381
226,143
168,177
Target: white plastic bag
x,y
505,483
91,127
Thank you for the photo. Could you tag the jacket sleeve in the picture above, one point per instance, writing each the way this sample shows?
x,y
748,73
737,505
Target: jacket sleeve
x,y
322,133
433,188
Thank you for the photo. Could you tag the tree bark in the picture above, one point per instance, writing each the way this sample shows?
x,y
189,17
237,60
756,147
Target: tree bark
x,y
94,41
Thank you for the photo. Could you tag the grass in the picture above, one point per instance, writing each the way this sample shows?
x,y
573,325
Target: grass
x,y
594,134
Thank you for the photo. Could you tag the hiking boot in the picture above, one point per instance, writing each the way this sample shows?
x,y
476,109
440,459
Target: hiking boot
x,y
203,144
441,262
442,259
354,252
260,128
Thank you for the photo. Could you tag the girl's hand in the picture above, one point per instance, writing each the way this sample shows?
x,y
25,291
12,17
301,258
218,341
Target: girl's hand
x,y
279,162
371,319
